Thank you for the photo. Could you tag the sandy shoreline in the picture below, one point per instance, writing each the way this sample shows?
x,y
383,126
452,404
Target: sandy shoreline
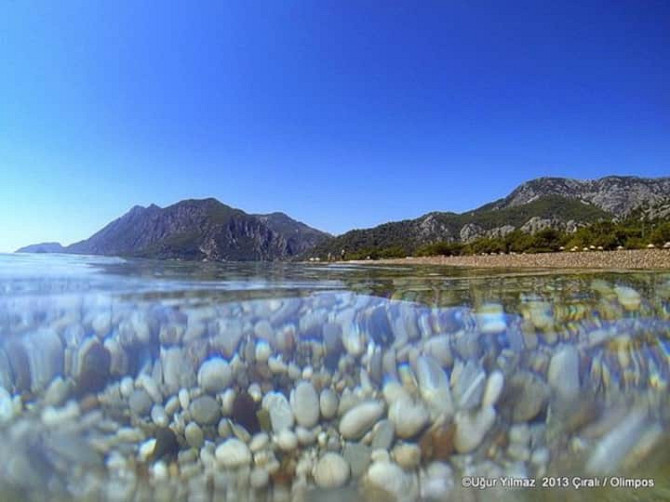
x,y
649,259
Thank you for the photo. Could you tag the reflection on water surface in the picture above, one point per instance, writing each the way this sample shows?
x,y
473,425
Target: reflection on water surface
x,y
140,380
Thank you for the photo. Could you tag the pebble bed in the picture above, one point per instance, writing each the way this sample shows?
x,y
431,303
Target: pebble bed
x,y
332,394
632,259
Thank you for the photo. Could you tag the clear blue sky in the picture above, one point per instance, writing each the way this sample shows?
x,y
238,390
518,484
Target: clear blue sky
x,y
342,114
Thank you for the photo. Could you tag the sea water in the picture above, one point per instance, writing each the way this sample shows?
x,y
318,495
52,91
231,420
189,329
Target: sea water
x,y
143,380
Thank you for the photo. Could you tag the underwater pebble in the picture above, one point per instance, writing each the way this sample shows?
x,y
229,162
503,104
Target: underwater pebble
x,y
491,319
194,435
331,471
263,352
6,406
406,455
613,447
408,416
57,392
628,297
214,375
563,374
469,388
140,402
281,415
178,370
259,478
305,436
527,395
146,449
259,441
357,456
126,386
158,415
434,386
383,435
205,410
389,477
286,440
151,387
184,399
437,481
358,420
472,427
305,404
494,387
233,453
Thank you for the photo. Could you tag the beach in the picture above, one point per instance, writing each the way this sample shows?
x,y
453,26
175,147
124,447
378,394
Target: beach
x,y
635,259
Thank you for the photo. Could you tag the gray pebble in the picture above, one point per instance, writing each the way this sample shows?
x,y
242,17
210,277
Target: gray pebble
x,y
358,457
140,402
383,435
205,410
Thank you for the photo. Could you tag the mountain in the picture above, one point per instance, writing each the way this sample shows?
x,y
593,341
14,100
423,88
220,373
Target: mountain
x,y
559,203
200,229
43,247
300,237
208,229
618,195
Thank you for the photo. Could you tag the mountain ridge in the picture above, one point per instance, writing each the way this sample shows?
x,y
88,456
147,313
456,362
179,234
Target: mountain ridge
x,y
206,229
198,229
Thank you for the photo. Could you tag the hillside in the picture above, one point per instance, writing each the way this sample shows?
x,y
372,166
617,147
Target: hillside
x,y
558,203
200,229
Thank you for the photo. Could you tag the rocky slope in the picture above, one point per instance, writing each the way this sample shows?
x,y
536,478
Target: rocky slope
x,y
200,229
560,203
618,195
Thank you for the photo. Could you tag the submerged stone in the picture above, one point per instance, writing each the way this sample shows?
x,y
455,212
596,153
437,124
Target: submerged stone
x,y
245,412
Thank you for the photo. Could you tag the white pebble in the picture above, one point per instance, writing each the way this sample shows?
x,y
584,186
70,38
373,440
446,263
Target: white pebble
x,y
494,387
305,404
194,436
472,427
214,375
276,365
281,415
358,420
227,402
184,399
126,386
263,352
286,440
56,416
391,478
328,403
408,416
259,478
158,416
172,405
233,453
255,392
331,471
150,385
563,374
259,442
306,437
407,455
146,449
6,406
160,471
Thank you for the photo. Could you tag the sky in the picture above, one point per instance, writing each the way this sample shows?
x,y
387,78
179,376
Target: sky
x,y
343,114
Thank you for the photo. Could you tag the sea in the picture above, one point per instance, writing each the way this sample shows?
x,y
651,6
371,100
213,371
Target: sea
x,y
133,380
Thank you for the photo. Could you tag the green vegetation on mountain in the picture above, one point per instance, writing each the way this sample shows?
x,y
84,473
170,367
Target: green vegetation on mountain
x,y
444,230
